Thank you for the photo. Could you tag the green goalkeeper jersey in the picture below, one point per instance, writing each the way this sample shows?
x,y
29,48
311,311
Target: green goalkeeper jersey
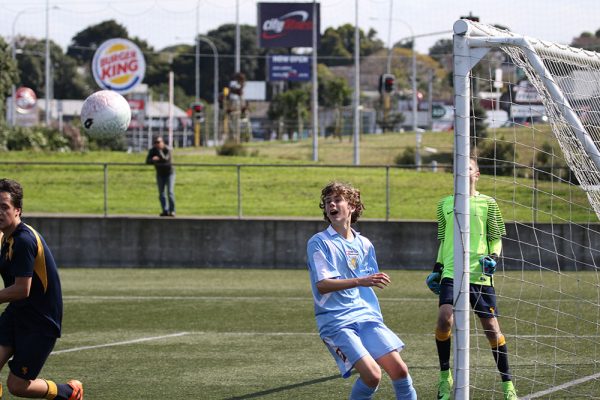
x,y
487,229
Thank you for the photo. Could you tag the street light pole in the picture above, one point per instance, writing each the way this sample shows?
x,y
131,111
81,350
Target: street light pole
x,y
315,87
356,88
237,36
13,52
415,126
389,57
197,65
47,63
215,86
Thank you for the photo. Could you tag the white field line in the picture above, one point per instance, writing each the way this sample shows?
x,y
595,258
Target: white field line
x,y
228,298
179,334
266,298
125,342
561,387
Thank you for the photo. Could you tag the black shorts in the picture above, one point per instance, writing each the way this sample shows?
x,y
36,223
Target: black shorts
x,y
30,349
482,298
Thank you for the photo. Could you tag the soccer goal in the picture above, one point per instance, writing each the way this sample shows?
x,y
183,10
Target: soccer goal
x,y
530,111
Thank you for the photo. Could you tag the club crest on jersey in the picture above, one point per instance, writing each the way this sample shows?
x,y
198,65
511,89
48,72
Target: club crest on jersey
x,y
352,259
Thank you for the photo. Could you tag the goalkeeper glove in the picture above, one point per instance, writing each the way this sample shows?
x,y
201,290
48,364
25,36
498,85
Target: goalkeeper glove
x,y
434,278
488,264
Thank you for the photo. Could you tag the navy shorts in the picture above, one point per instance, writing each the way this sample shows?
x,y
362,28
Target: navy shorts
x,y
482,298
30,349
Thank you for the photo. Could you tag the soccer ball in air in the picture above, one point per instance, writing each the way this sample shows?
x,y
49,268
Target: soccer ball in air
x,y
105,113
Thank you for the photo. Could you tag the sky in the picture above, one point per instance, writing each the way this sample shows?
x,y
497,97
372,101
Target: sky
x,y
166,22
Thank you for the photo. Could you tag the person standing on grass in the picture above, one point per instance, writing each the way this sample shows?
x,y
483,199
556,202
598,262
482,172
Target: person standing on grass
x,y
162,157
343,271
487,229
31,322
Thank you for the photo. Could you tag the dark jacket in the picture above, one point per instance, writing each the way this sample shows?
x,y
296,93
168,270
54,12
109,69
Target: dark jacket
x,y
163,165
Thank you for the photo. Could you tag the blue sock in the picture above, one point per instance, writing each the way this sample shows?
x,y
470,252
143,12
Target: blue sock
x,y
404,389
360,391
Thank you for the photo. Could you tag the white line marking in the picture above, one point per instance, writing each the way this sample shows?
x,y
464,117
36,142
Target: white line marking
x,y
278,298
140,340
561,387
228,298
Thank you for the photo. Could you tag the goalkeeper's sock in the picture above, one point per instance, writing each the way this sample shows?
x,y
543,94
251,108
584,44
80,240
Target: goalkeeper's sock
x,y
404,389
360,391
500,352
443,342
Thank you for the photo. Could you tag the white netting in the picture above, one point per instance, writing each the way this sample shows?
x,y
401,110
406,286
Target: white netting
x,y
548,189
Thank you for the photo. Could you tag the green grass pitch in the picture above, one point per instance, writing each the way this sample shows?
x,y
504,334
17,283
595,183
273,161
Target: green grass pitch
x,y
250,334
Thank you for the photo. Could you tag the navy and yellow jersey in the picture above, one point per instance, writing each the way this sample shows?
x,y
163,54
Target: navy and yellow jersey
x,y
486,226
25,254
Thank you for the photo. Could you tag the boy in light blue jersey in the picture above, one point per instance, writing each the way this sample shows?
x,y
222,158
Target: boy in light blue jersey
x,y
343,271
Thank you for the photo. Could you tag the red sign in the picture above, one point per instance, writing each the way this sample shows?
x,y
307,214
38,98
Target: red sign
x,y
136,104
25,99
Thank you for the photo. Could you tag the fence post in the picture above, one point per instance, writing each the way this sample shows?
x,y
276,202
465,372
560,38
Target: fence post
x,y
239,190
105,190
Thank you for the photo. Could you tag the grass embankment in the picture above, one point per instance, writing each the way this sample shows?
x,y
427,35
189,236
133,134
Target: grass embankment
x,y
207,184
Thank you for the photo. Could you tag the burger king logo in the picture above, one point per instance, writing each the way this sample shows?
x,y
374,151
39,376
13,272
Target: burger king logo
x,y
118,65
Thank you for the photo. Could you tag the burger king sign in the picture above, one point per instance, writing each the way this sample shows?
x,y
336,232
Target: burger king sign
x,y
118,65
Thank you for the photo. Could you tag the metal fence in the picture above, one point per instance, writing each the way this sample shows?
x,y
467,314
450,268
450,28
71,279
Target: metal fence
x,y
63,183
390,192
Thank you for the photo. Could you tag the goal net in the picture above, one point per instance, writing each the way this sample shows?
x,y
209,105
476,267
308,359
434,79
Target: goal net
x,y
530,111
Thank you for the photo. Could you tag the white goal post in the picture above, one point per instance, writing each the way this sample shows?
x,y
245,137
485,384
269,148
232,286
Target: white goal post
x,y
562,274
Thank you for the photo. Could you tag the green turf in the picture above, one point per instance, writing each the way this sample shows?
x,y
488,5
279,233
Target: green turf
x,y
250,334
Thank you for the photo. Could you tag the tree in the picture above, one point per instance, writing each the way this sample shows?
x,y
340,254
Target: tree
x,y
337,45
290,108
8,77
84,44
252,60
157,66
588,41
66,82
442,51
334,92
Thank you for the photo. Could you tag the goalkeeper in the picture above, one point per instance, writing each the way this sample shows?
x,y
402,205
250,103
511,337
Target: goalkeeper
x,y
487,229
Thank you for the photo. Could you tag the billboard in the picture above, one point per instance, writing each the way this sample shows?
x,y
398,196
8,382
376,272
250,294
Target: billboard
x,y
286,24
118,65
294,68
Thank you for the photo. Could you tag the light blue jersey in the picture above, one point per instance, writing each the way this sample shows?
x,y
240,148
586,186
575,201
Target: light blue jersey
x,y
330,256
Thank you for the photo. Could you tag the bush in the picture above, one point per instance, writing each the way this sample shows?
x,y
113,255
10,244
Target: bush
x,y
550,165
34,138
497,156
231,148
109,142
407,157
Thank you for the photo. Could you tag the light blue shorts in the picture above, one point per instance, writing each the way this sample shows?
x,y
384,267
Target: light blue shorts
x,y
353,342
